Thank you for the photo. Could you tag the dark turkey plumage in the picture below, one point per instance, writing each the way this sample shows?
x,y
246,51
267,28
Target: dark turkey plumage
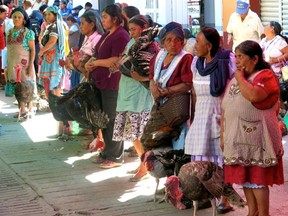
x,y
140,54
23,92
163,161
197,181
24,95
81,104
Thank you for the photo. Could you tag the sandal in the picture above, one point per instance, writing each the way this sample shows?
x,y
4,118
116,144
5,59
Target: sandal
x,y
98,159
109,164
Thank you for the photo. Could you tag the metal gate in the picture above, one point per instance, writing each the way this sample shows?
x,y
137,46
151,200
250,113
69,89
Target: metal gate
x,y
275,10
285,16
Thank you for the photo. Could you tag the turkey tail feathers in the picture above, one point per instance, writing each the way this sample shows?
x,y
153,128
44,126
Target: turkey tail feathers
x,y
232,196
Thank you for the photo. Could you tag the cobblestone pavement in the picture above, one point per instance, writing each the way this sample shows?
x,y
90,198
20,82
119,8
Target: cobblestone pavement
x,y
43,176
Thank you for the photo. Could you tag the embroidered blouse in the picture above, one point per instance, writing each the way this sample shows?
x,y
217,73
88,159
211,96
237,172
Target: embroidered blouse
x,y
14,34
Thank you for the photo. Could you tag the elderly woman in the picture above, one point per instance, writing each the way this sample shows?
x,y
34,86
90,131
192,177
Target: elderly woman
x,y
20,50
212,68
170,73
107,51
53,50
251,138
274,46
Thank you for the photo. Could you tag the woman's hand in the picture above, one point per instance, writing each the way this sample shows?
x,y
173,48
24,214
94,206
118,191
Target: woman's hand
x,y
239,74
40,54
138,77
114,67
31,71
154,90
163,91
90,66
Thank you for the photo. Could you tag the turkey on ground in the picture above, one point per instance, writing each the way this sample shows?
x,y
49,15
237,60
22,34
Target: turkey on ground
x,y
81,104
197,181
23,93
162,162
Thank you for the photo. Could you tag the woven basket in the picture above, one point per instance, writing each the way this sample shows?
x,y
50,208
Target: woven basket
x,y
176,109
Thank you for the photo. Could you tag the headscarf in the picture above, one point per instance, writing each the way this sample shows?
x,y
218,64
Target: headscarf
x,y
172,27
93,16
60,28
26,17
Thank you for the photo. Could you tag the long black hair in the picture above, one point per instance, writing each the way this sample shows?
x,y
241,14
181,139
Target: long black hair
x,y
91,17
252,49
213,37
114,11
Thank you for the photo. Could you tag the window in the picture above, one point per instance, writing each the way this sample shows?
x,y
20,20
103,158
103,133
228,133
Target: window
x,y
149,4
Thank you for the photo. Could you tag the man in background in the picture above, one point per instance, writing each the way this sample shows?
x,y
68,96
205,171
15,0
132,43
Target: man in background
x,y
244,24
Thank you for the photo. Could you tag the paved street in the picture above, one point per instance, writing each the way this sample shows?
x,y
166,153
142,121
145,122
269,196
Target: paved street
x,y
43,176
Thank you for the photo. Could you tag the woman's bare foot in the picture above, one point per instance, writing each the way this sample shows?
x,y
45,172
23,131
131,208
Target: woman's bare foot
x,y
133,171
140,175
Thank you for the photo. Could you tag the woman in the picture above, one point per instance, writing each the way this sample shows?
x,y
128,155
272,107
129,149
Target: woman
x,y
107,51
127,13
20,50
74,37
91,29
170,73
212,69
274,46
134,100
53,50
251,140
3,15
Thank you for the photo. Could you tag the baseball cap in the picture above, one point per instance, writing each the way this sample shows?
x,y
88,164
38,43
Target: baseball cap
x,y
242,6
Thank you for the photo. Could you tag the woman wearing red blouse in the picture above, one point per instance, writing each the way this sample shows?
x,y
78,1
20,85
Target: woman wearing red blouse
x,y
107,51
170,73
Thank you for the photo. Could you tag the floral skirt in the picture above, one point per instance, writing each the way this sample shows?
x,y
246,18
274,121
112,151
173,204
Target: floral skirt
x,y
253,174
129,126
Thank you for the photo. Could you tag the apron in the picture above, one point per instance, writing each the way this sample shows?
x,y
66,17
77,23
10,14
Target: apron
x,y
17,55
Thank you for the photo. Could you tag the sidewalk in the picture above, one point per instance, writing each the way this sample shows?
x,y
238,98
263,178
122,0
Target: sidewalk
x,y
43,176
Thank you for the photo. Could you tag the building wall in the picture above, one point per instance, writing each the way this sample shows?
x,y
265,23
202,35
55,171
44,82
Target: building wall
x,y
168,10
228,7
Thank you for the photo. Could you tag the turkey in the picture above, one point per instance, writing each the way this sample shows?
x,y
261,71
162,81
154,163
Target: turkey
x,y
197,181
140,54
81,104
23,93
163,161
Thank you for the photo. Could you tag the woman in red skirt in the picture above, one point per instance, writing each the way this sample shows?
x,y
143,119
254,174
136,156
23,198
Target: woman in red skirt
x,y
250,137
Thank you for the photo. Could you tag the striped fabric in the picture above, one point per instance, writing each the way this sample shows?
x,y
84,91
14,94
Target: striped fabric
x,y
203,138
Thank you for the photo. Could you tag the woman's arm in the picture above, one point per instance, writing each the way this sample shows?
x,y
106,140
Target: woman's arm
x,y
251,92
222,131
154,90
51,42
280,59
181,87
138,77
32,52
90,66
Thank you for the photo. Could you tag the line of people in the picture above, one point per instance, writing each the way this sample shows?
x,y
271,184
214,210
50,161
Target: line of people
x,y
235,96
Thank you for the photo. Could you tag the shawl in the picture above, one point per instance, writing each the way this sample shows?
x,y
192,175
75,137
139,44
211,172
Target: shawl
x,y
218,69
